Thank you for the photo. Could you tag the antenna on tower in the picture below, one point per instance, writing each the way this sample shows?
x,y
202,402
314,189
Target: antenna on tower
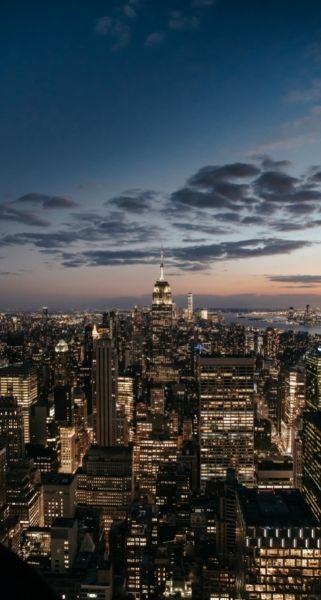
x,y
162,265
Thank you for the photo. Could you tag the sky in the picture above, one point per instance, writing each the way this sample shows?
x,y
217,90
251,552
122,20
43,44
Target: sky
x,y
128,126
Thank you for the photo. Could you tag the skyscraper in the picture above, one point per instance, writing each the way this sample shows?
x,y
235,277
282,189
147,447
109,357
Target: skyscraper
x,y
190,305
162,329
313,379
105,394
226,428
20,382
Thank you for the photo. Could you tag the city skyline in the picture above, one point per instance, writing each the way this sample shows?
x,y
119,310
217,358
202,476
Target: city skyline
x,y
129,126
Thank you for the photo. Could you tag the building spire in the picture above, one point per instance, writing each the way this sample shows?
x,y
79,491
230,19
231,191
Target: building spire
x,y
162,266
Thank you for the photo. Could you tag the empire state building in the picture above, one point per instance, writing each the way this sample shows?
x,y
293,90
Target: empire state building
x,y
162,329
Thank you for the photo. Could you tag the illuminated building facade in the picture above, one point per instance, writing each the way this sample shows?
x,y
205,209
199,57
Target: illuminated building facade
x,y
281,546
313,379
20,382
125,410
311,476
293,403
68,463
58,497
105,482
11,428
162,329
226,413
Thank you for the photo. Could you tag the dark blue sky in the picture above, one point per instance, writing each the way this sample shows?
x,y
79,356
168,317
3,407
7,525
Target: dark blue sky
x,y
101,97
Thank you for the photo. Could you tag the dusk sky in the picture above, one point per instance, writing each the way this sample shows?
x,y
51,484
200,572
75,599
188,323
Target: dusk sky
x,y
127,126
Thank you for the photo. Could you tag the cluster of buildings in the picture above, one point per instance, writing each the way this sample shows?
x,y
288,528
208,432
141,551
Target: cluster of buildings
x,y
161,453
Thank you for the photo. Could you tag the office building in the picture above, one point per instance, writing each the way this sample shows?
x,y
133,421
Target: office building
x,y
162,329
226,418
281,545
105,393
20,382
58,497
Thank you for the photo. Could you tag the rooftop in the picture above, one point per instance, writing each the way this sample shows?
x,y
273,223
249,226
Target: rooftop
x,y
275,508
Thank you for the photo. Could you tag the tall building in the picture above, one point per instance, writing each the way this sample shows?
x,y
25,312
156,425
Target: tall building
x,y
62,364
226,418
313,379
162,329
58,497
281,546
190,308
105,483
293,403
11,428
311,476
105,392
125,410
20,382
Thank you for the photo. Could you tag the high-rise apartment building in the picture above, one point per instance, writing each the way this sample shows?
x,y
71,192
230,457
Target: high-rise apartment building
x,y
20,382
226,417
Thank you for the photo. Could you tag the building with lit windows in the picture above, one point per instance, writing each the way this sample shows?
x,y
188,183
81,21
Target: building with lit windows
x,y
313,379
11,428
293,403
150,454
68,463
58,497
226,417
125,410
281,546
311,476
105,482
20,382
162,330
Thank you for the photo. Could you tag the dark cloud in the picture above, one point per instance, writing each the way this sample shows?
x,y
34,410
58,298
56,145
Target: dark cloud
x,y
240,249
198,228
274,182
254,220
136,201
208,176
299,280
113,231
46,201
9,213
197,257
228,217
269,164
192,198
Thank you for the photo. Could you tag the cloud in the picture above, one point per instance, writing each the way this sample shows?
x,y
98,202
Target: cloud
x,y
210,175
116,29
156,38
46,201
267,163
129,11
308,94
178,20
136,201
298,280
198,228
9,213
197,257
